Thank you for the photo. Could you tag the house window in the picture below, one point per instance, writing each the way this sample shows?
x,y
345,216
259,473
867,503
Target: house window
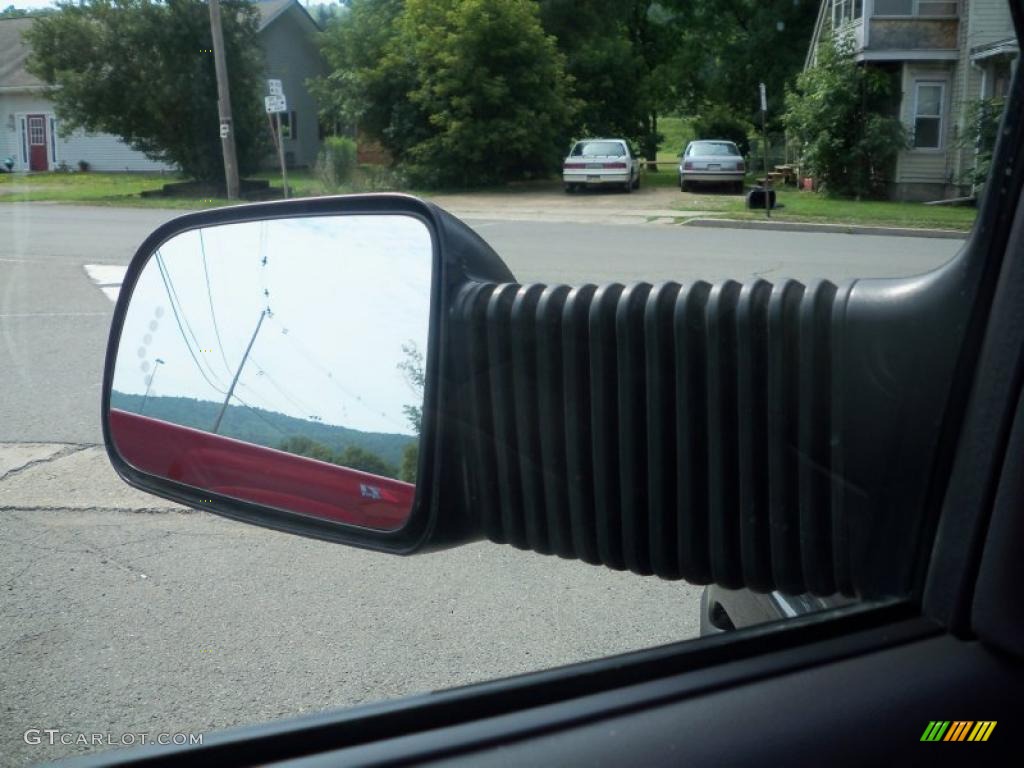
x,y
846,10
289,125
928,101
894,7
935,8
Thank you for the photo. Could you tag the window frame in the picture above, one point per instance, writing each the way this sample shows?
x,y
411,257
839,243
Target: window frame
x,y
941,116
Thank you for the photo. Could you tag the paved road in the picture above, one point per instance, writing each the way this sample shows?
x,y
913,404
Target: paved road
x,y
120,613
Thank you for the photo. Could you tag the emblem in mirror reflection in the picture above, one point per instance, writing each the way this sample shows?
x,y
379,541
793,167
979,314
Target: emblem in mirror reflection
x,y
246,362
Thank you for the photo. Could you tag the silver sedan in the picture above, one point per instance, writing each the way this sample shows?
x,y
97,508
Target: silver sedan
x,y
600,162
712,161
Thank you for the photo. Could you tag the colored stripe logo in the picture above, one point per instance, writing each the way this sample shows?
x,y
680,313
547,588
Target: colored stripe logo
x,y
958,730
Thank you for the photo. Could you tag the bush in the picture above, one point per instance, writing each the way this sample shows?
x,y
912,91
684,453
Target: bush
x,y
83,166
981,118
718,122
336,162
840,115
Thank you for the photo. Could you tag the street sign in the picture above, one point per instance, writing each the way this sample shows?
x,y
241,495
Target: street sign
x,y
274,88
764,99
225,130
275,104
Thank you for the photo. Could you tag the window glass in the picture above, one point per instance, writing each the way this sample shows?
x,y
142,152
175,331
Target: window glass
x,y
713,149
599,149
894,7
928,116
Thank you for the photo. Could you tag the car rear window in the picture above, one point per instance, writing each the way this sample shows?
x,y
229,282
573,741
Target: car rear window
x,y
599,149
713,148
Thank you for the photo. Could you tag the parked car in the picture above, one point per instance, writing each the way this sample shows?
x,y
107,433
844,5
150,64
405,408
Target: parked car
x,y
712,161
597,162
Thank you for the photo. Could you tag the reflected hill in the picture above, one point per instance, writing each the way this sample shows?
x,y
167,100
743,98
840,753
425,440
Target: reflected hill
x,y
262,427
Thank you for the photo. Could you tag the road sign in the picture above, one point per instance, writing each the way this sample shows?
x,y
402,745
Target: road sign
x,y
275,104
764,99
274,88
225,130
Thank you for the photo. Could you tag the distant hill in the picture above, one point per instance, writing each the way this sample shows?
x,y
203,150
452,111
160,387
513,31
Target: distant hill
x,y
262,427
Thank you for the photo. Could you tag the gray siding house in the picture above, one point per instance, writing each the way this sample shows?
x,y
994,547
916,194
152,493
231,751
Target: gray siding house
x,y
30,129
944,55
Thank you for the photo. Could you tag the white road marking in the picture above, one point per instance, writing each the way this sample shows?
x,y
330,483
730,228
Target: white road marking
x,y
108,278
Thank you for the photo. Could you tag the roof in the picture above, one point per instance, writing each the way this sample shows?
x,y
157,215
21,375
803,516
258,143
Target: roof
x,y
13,52
271,9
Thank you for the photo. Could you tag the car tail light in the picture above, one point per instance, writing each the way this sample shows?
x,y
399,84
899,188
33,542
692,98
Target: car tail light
x,y
613,165
741,166
573,165
688,165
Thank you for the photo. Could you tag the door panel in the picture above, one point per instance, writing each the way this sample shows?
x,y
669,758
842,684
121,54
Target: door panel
x,y
37,160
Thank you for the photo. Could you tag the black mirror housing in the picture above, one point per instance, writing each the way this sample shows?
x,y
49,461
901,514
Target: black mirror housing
x,y
437,518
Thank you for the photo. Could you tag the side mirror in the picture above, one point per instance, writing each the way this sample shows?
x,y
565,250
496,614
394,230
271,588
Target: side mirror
x,y
365,369
278,364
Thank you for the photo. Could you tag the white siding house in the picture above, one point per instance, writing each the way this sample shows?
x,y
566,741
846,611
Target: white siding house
x,y
30,130
944,54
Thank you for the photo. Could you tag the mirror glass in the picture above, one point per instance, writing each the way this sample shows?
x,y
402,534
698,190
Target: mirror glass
x,y
282,362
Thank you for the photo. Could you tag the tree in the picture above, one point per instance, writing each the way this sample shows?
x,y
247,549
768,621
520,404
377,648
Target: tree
x,y
839,115
358,458
304,446
460,92
144,71
410,462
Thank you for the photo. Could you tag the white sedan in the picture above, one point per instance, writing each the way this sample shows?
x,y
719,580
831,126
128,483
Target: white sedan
x,y
601,162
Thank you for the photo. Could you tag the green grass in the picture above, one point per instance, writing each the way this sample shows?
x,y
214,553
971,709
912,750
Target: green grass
x,y
815,208
122,189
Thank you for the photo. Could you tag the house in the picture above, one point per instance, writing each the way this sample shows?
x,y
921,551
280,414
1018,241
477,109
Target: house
x,y
944,55
30,129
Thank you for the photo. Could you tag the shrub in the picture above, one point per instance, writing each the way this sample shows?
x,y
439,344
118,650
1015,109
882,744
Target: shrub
x,y
336,162
841,116
83,166
981,118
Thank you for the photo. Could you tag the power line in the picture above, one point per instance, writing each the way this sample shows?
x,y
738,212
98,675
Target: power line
x,y
181,330
209,295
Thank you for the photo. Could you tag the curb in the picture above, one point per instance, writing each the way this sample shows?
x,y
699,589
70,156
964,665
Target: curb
x,y
842,229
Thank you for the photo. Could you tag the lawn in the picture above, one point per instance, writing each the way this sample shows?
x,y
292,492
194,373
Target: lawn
x,y
815,208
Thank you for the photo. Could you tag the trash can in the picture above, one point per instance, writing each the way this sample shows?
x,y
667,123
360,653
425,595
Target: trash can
x,y
756,197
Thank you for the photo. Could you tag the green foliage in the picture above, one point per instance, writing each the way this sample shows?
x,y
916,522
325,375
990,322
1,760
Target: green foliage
x,y
840,115
981,129
737,44
720,122
336,162
363,460
410,463
460,92
143,71
412,368
352,456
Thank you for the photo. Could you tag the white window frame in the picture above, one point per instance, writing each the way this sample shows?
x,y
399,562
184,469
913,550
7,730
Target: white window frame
x,y
942,84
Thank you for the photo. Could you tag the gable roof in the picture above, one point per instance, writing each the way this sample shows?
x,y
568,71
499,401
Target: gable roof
x,y
270,10
13,52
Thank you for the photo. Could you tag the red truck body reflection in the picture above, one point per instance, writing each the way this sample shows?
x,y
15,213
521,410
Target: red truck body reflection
x,y
262,475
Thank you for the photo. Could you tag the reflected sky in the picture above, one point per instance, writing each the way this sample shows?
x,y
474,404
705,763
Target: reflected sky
x,y
340,297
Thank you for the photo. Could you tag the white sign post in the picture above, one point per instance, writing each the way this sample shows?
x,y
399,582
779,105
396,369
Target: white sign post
x,y
275,104
764,138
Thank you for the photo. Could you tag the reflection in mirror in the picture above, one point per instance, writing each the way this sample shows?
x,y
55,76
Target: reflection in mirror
x,y
282,362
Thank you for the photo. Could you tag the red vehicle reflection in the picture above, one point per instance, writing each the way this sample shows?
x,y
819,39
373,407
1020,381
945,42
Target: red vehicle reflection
x,y
262,475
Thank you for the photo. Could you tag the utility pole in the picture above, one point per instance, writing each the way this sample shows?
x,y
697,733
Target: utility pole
x,y
149,384
227,135
234,381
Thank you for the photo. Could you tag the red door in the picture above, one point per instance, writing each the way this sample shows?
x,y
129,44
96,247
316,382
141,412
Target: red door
x,y
37,143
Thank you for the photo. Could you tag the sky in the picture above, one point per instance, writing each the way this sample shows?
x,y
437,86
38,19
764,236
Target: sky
x,y
345,293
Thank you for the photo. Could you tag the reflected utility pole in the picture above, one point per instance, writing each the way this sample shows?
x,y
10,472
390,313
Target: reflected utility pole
x,y
234,381
149,384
